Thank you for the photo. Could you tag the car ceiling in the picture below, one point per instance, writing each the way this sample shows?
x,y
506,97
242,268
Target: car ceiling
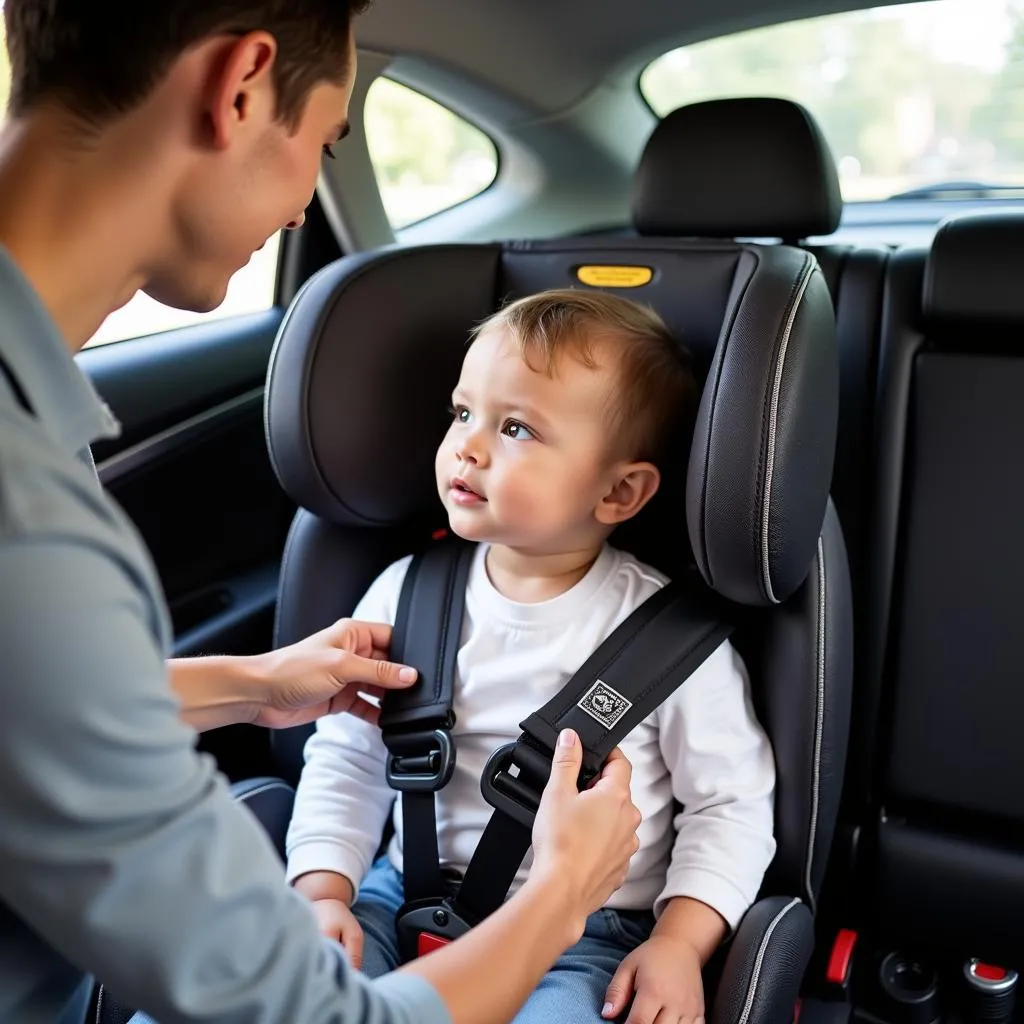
x,y
552,82
548,55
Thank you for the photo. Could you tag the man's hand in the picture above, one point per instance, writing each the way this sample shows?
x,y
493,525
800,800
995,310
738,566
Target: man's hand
x,y
585,840
336,920
664,974
325,673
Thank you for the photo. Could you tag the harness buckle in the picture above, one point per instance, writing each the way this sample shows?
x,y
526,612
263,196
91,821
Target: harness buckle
x,y
518,794
512,793
419,762
426,925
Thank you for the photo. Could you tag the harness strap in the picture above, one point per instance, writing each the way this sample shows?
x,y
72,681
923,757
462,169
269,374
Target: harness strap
x,y
416,723
644,660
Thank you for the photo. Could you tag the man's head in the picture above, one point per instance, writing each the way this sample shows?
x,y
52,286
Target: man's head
x,y
567,402
226,105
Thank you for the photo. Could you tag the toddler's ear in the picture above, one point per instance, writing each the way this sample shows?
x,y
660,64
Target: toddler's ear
x,y
635,484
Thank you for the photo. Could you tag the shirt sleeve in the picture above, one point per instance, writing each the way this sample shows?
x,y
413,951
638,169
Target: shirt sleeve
x,y
121,845
723,774
343,799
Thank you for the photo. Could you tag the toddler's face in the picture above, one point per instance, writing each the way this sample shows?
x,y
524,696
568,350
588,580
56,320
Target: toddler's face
x,y
526,459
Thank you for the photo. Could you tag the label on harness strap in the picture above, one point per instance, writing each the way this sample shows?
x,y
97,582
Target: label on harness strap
x,y
604,704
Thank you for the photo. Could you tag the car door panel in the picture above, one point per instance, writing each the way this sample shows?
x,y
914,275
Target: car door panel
x,y
192,471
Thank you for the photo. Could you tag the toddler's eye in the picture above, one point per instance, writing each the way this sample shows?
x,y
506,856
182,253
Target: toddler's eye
x,y
518,431
329,151
459,413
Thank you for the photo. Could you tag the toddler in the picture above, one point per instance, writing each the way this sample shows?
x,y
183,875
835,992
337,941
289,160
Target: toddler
x,y
565,404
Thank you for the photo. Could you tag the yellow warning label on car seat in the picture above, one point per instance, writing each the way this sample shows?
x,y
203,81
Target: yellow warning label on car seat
x,y
615,277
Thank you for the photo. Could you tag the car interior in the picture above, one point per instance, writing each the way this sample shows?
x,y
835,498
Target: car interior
x,y
856,315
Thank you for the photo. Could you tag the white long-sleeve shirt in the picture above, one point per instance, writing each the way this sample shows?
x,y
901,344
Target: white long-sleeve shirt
x,y
702,747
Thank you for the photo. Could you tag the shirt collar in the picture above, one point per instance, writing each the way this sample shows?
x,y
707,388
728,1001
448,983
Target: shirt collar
x,y
61,396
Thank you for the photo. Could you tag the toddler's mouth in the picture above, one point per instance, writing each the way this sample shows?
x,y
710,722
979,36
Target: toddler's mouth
x,y
464,493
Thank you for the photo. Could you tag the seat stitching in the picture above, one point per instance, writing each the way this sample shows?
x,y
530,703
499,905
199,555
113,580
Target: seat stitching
x,y
755,976
265,788
773,424
819,727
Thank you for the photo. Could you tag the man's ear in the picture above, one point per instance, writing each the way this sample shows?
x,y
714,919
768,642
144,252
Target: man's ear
x,y
240,87
635,484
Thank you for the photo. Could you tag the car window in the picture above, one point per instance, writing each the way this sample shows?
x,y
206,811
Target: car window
x,y
251,290
426,158
919,97
5,67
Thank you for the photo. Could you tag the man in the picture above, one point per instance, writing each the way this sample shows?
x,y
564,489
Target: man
x,y
155,145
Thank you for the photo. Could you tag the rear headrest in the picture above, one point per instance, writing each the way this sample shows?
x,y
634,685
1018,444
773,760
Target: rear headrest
x,y
363,366
975,270
757,168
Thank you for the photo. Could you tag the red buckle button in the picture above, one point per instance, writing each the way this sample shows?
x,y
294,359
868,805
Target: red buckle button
x,y
838,970
427,943
988,972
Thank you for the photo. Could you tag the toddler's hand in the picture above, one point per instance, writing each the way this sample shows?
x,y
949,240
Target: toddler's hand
x,y
337,922
664,973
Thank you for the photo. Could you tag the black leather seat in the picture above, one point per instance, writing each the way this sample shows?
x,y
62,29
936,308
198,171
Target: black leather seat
x,y
357,392
944,850
760,168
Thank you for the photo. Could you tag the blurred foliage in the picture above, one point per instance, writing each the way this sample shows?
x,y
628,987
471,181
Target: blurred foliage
x,y
426,157
898,110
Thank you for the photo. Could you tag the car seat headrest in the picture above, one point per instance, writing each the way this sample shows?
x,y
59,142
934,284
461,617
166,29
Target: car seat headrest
x,y
363,367
975,268
756,168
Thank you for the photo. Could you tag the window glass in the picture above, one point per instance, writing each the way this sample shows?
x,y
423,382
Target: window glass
x,y
251,289
426,158
912,96
5,67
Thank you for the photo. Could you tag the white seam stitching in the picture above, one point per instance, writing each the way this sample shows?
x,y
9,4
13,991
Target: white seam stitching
x,y
755,976
773,423
282,572
265,788
819,727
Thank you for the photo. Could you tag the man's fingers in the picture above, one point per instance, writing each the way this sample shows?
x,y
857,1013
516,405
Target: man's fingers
x,y
385,674
617,769
378,633
566,761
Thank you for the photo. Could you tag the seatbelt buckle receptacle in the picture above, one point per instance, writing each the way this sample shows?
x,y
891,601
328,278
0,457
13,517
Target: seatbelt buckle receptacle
x,y
419,762
427,925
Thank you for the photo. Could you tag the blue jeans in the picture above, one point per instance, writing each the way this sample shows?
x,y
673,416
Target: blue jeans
x,y
573,990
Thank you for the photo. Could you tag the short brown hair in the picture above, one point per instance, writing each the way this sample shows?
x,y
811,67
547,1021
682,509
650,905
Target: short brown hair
x,y
657,391
101,60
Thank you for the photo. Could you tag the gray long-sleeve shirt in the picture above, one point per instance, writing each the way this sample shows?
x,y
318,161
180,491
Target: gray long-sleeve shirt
x,y
122,853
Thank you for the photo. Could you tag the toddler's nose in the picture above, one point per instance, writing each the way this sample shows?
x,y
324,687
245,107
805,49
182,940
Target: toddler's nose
x,y
471,450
